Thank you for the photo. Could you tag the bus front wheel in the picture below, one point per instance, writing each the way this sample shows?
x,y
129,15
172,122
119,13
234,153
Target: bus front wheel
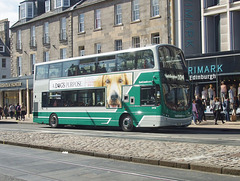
x,y
53,121
127,123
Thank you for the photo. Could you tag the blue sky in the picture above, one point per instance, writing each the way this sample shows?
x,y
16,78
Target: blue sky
x,y
9,9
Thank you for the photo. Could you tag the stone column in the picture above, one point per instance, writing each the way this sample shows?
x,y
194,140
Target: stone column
x,y
1,98
20,97
28,103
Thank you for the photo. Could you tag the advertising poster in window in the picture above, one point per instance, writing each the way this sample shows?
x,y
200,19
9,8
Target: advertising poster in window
x,y
112,82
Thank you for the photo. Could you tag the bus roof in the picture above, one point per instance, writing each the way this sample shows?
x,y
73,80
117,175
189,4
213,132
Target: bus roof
x,y
103,54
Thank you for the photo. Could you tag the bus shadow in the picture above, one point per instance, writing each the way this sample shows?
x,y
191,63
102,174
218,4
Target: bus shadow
x,y
176,130
163,130
8,122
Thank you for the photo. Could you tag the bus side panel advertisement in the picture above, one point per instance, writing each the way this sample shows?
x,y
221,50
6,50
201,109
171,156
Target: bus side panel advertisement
x,y
112,82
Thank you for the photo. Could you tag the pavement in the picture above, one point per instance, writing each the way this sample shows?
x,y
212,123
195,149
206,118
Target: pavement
x,y
221,159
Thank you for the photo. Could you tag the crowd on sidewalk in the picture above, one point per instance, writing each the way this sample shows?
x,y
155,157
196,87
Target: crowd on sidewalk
x,y
13,111
219,106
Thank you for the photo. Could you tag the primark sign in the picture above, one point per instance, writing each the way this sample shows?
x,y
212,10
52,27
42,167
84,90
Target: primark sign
x,y
204,72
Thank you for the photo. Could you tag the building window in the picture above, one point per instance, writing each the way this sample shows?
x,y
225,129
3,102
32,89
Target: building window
x,y
136,42
4,63
155,38
135,10
33,37
19,66
118,44
32,62
46,39
26,10
81,51
2,48
62,3
46,56
63,53
154,8
97,19
98,48
63,31
19,40
118,14
47,6
81,23
216,2
4,76
66,3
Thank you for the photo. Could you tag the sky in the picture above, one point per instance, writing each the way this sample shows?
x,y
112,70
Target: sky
x,y
9,9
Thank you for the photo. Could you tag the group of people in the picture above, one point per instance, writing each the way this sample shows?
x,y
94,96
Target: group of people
x,y
220,106
16,111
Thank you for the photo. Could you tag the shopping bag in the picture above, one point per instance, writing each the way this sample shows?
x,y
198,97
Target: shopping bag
x,y
234,117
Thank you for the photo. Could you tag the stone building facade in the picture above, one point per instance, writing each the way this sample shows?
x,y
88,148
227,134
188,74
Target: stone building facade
x,y
58,29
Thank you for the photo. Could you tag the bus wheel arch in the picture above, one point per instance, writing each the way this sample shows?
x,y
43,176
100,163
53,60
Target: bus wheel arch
x,y
53,120
126,122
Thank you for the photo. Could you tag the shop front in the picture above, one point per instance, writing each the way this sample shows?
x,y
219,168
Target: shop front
x,y
17,90
211,70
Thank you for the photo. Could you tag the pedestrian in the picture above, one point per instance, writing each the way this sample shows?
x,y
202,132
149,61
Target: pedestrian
x,y
18,111
23,112
200,109
217,109
231,97
223,90
194,112
11,110
6,111
226,108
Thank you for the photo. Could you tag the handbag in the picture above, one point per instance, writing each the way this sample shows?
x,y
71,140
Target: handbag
x,y
233,117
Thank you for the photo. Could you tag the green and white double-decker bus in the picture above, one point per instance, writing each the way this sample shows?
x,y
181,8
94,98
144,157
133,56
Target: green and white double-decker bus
x,y
140,87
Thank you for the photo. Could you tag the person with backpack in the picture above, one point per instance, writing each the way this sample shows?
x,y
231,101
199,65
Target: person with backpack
x,y
11,110
217,109
18,111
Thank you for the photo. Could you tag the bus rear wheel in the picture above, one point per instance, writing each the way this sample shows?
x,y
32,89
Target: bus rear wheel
x,y
53,121
127,123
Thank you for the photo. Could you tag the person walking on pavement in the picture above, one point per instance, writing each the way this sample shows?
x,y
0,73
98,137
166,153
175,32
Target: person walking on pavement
x,y
200,109
226,108
23,112
18,111
217,109
6,111
194,111
11,110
